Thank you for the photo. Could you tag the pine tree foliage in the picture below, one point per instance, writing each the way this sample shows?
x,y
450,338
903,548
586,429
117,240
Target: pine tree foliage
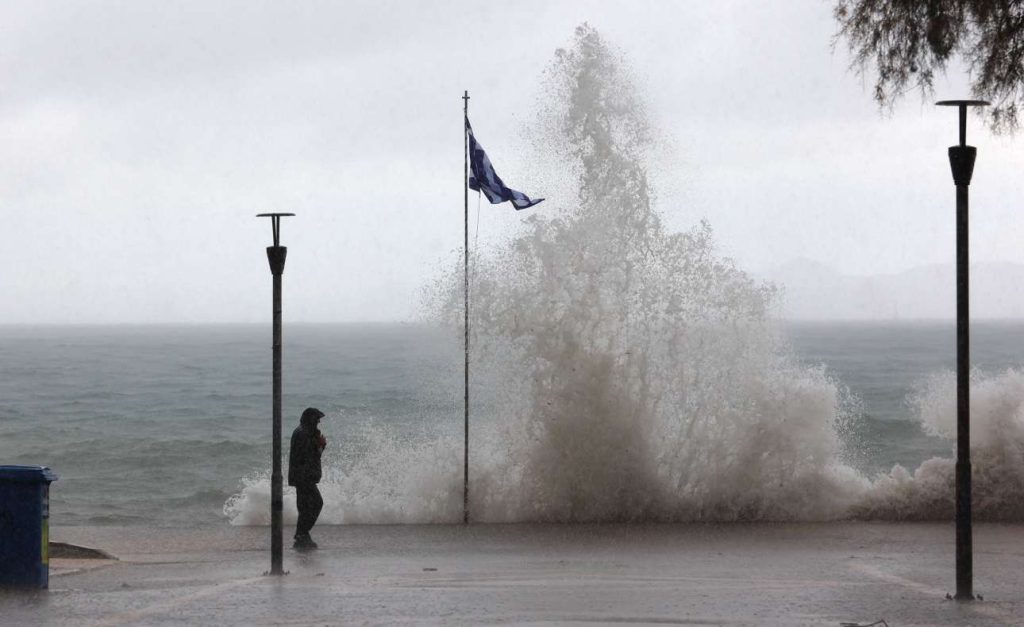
x,y
907,42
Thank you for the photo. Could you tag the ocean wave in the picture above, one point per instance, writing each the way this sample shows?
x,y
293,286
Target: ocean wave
x,y
997,455
770,475
637,374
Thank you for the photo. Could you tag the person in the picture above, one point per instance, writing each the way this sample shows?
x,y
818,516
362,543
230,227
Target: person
x,y
304,473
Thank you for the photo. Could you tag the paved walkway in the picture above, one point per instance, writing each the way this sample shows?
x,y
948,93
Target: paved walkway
x,y
766,574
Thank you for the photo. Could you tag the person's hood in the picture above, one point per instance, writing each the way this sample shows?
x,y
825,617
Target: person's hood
x,y
310,418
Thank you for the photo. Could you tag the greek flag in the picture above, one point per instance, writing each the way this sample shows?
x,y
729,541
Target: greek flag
x,y
483,178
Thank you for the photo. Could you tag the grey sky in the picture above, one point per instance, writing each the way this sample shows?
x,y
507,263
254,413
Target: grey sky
x,y
138,140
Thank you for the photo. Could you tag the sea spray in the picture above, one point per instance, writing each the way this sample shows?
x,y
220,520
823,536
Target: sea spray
x,y
639,375
632,373
647,381
997,455
396,482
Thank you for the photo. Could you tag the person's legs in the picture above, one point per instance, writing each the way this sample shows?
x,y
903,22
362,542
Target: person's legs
x,y
309,503
316,503
305,502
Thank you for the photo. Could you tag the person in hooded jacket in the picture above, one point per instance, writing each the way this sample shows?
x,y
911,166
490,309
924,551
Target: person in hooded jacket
x,y
304,473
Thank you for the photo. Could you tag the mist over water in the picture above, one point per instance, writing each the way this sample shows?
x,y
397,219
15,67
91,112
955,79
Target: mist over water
x,y
635,374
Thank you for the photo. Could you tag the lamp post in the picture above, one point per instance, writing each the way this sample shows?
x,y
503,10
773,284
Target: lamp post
x,y
961,162
276,255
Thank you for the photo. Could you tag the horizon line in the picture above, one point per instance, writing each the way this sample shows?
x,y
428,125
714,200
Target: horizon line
x,y
951,319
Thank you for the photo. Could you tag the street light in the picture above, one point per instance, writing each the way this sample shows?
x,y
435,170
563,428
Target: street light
x,y
961,162
276,255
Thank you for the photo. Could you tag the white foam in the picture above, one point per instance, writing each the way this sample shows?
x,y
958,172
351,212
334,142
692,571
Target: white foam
x,y
398,482
997,455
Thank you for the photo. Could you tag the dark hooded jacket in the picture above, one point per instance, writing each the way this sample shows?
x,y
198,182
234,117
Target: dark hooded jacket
x,y
304,458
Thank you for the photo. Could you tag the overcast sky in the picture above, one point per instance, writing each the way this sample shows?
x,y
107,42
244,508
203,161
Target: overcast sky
x,y
138,140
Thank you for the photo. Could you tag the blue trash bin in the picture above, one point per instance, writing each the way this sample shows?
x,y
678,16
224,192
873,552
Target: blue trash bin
x,y
25,525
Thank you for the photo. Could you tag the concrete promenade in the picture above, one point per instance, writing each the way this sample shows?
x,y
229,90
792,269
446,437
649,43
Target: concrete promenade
x,y
731,574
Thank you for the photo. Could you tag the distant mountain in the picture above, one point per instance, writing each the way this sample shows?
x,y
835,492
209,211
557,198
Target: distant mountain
x,y
814,291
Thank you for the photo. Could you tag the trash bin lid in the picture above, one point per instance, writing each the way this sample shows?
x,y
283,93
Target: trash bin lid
x,y
27,473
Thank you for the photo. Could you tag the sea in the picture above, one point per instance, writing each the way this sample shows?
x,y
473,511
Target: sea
x,y
622,370
171,425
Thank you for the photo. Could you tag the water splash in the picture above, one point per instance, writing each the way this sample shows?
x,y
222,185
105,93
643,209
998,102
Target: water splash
x,y
639,375
636,372
644,379
997,455
397,482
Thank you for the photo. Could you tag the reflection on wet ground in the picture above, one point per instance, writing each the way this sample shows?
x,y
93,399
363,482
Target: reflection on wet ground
x,y
764,574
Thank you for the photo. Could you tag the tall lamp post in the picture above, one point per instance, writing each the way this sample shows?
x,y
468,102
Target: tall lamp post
x,y
276,255
961,162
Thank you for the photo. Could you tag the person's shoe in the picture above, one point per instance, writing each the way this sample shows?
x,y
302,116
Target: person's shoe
x,y
304,543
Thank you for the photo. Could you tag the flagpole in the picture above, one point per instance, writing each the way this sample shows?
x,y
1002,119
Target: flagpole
x,y
465,259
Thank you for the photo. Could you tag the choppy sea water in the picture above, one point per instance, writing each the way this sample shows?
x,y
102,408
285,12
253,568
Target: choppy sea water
x,y
164,425
158,425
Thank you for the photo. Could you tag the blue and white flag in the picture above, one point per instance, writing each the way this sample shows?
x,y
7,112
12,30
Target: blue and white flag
x,y
483,178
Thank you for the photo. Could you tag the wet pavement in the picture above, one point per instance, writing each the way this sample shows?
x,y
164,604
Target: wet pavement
x,y
732,574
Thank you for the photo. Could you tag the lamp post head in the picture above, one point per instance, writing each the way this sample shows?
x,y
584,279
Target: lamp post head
x,y
962,106
275,224
961,157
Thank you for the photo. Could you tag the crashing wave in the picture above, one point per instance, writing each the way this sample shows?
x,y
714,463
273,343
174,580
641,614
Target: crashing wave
x,y
639,373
